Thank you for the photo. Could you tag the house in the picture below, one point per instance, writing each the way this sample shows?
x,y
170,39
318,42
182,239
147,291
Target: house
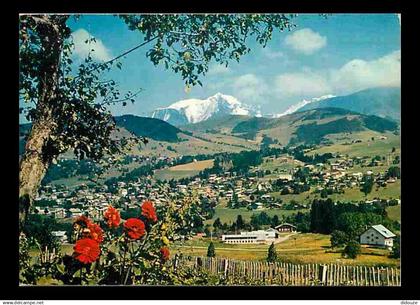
x,y
256,205
377,236
287,177
58,213
286,227
60,235
271,233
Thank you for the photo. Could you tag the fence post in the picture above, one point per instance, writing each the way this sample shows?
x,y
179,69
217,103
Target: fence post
x,y
226,266
323,274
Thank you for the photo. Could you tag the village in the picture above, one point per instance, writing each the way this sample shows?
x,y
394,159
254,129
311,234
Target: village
x,y
256,190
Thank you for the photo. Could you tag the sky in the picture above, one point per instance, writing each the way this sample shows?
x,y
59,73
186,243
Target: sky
x,y
341,54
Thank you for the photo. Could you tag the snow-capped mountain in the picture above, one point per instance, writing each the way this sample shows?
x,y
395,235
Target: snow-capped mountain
x,y
198,110
301,104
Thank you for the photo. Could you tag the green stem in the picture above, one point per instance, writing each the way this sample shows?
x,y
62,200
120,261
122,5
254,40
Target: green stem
x,y
122,264
130,265
81,276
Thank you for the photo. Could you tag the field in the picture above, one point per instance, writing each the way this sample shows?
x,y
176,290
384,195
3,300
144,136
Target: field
x,y
183,171
391,191
299,248
366,148
394,212
192,145
302,248
229,215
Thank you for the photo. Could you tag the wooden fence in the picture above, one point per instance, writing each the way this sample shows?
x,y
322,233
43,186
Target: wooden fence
x,y
293,274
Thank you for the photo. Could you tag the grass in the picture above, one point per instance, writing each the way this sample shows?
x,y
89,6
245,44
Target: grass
x,y
304,248
229,215
183,171
366,147
193,166
391,191
394,212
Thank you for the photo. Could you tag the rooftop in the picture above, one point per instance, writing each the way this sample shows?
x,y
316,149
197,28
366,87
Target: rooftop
x,y
383,231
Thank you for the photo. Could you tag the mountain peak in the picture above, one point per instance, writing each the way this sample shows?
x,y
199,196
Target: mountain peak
x,y
301,104
198,110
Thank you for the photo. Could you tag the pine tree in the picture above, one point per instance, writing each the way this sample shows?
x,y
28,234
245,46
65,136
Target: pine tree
x,y
240,222
272,254
210,250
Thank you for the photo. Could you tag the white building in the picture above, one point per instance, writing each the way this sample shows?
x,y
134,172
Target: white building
x,y
252,237
61,235
378,236
287,177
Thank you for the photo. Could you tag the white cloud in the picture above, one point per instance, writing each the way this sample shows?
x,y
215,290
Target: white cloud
x,y
355,75
359,74
218,69
82,49
249,88
399,18
305,83
305,41
272,54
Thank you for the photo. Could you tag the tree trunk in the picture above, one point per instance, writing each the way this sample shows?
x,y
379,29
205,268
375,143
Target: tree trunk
x,y
33,167
37,156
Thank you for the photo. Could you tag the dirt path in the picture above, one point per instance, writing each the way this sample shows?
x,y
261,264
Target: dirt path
x,y
282,239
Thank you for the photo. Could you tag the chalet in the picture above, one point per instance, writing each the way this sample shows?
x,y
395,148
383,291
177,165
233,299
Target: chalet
x,y
286,227
378,236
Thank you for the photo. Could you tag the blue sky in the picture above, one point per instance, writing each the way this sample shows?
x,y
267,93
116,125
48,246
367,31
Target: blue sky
x,y
338,55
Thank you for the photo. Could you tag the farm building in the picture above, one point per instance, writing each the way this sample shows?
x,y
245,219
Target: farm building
x,y
252,237
378,236
286,227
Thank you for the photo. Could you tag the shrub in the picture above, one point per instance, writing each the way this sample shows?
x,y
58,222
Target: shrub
x,y
114,251
338,238
352,249
211,251
395,253
272,254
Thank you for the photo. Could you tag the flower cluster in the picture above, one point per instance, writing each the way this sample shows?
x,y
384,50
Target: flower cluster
x,y
148,211
164,252
134,228
90,235
87,248
112,217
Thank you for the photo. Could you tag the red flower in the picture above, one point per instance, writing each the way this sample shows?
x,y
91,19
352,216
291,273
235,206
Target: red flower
x,y
134,228
164,252
148,211
86,250
96,232
112,217
82,221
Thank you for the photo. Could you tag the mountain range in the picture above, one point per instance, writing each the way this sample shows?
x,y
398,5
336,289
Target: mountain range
x,y
384,102
221,123
198,110
301,104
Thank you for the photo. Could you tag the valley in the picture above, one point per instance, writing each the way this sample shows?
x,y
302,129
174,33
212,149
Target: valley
x,y
267,171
